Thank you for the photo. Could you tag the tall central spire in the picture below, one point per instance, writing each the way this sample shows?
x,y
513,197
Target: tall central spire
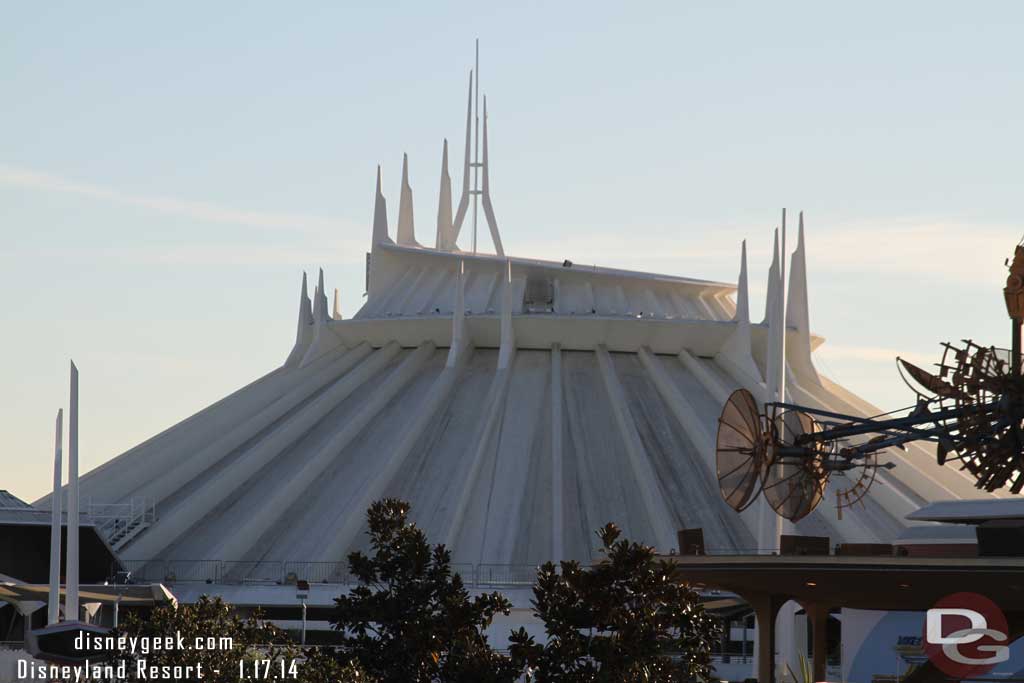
x,y
476,164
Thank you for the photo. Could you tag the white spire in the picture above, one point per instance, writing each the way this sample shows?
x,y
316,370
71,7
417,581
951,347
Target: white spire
x,y
775,317
445,239
773,278
486,190
798,313
406,230
508,339
742,315
320,300
322,339
71,592
459,336
304,326
53,613
770,319
796,308
735,353
336,314
460,212
380,215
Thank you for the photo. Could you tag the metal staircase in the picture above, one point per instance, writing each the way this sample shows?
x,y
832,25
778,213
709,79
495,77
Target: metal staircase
x,y
119,523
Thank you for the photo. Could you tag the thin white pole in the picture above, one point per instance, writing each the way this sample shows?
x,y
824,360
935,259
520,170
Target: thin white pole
x,y
476,143
782,314
71,599
303,623
781,525
56,523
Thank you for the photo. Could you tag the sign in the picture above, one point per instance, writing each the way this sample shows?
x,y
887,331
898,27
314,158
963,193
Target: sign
x,y
966,635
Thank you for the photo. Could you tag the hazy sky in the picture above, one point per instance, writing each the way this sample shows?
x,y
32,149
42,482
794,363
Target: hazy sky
x,y
168,170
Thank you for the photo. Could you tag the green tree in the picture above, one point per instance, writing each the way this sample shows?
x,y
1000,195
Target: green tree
x,y
630,618
410,619
322,667
250,639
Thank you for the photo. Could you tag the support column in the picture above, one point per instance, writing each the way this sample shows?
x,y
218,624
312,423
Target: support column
x,y
766,607
818,616
557,520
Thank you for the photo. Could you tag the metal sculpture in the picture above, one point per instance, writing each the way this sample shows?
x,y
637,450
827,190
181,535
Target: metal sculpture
x,y
972,409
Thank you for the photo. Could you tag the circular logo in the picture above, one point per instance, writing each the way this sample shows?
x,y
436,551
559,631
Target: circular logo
x,y
965,635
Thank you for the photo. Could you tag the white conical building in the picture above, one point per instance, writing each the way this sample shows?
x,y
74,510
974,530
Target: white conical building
x,y
518,404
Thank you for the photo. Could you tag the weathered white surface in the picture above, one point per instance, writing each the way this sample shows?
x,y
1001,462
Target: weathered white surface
x,y
517,404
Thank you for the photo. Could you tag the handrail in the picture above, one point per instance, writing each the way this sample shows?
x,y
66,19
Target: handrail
x,y
289,572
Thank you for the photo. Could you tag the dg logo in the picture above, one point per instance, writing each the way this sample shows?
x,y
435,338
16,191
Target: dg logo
x,y
966,635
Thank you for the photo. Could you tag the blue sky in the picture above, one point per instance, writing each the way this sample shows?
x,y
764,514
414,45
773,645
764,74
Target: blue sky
x,y
168,170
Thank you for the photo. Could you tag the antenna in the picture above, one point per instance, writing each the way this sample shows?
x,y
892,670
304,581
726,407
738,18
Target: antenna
x,y
476,139
477,165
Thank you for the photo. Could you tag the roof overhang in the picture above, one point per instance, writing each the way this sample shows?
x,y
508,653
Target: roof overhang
x,y
874,583
970,511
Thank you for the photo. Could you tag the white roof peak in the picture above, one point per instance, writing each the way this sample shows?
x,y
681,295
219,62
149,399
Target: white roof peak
x,y
445,237
380,214
406,230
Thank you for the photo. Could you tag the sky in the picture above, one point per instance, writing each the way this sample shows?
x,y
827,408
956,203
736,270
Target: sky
x,y
169,170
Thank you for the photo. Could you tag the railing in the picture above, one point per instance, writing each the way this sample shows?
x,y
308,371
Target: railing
x,y
119,522
290,572
505,574
317,572
252,572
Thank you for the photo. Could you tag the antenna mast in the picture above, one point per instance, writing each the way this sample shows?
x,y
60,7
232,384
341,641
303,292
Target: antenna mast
x,y
476,164
476,139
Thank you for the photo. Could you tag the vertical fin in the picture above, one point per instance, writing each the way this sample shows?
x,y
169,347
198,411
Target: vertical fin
x,y
336,314
735,354
380,215
304,327
508,338
323,296
459,336
460,212
445,240
485,189
798,313
406,230
322,339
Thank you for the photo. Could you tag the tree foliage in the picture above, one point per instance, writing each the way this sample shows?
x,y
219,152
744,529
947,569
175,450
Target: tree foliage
x,y
410,619
251,639
321,666
630,618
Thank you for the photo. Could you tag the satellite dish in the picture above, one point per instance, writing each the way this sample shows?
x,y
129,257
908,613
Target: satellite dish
x,y
795,476
740,450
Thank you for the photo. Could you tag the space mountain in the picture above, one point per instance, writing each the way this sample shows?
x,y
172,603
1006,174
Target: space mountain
x,y
518,404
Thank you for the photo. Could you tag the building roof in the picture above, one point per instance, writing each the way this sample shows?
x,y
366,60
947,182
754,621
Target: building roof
x,y
511,446
518,404
970,511
9,501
